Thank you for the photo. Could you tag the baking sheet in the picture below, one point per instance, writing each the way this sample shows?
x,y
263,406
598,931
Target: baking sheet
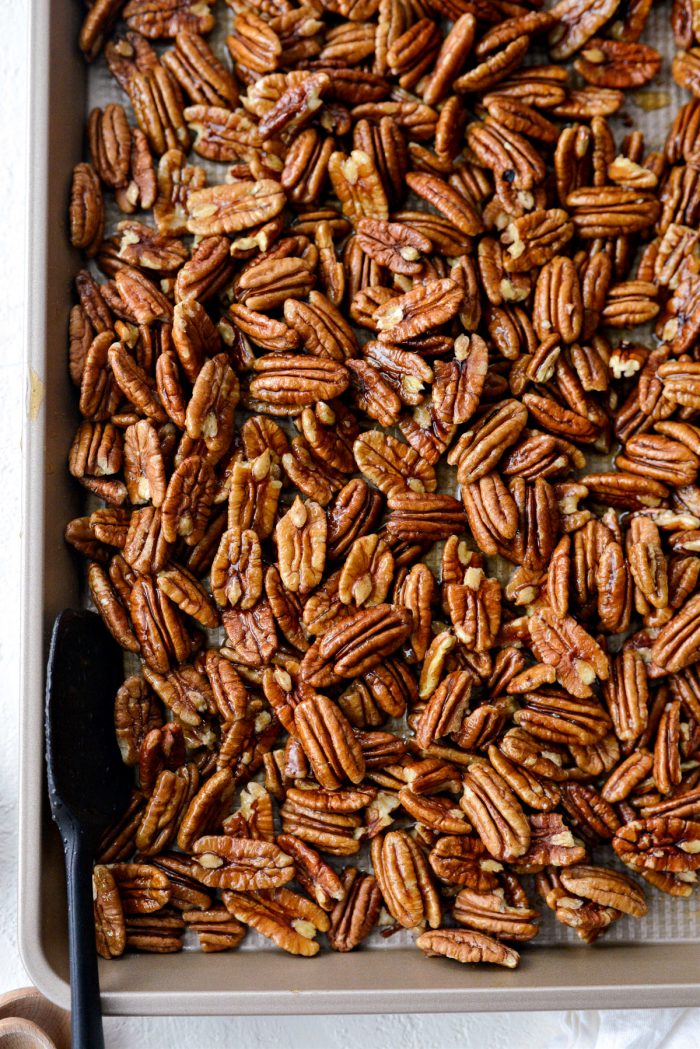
x,y
268,981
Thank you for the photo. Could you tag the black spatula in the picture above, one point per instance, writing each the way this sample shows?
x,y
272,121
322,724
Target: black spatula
x,y
89,787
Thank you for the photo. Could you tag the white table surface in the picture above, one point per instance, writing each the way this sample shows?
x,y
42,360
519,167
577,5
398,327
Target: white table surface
x,y
668,1028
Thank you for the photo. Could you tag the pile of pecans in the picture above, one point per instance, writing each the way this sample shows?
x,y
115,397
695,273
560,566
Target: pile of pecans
x,y
416,272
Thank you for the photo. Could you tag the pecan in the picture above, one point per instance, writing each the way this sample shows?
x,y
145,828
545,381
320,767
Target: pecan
x,y
495,67
495,813
251,634
136,713
254,43
241,864
478,450
627,694
210,410
565,645
577,22
321,327
435,811
356,644
416,593
206,809
142,888
588,918
328,742
253,495
301,546
552,715
286,381
234,207
110,929
398,247
463,860
289,920
392,466
606,887
86,210
199,72
660,843
536,792
96,26
169,17
187,502
676,645
459,384
358,186
144,470
156,933
447,201
492,913
423,517
558,307
313,818
367,572
354,916
236,572
464,945
451,59
424,307
404,880
536,238
157,626
667,757
216,930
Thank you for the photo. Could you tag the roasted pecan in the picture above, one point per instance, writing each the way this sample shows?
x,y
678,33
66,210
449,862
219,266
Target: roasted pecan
x,y
478,450
404,880
660,843
565,645
289,920
356,644
329,742
464,945
424,307
86,210
493,913
234,207
286,382
241,864
354,916
495,812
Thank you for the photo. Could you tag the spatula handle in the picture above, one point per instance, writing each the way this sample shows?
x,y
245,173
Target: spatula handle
x,y
86,1014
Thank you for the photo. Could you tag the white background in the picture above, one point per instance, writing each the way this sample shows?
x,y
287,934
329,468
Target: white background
x,y
573,1030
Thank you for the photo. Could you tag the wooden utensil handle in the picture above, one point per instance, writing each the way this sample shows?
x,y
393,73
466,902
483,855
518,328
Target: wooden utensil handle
x,y
86,1015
